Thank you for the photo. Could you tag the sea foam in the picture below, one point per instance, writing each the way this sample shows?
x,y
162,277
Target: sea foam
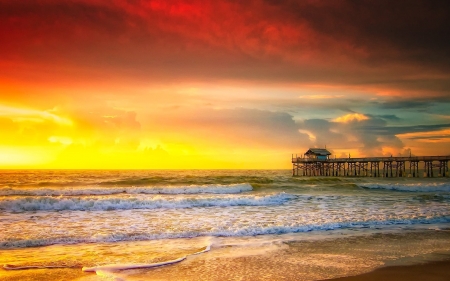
x,y
176,189
117,267
95,203
409,187
104,270
232,232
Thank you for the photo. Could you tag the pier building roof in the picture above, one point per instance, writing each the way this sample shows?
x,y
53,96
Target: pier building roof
x,y
318,152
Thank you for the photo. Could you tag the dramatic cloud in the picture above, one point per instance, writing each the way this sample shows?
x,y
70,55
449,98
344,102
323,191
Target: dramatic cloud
x,y
368,136
146,83
384,44
239,127
351,117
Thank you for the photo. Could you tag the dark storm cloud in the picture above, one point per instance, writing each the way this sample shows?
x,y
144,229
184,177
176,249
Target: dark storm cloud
x,y
388,117
370,136
396,130
325,132
437,105
414,30
351,135
415,104
391,44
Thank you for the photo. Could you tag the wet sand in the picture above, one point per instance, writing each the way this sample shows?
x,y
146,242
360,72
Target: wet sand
x,y
432,271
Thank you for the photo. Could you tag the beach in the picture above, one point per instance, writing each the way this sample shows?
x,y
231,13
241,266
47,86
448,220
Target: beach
x,y
221,225
433,271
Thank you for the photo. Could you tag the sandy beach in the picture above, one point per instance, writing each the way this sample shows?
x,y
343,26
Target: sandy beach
x,y
432,271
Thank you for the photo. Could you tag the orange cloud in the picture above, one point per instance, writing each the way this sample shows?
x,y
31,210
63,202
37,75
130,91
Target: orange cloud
x,y
351,117
429,137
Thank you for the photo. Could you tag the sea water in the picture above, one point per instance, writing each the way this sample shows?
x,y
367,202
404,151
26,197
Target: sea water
x,y
215,224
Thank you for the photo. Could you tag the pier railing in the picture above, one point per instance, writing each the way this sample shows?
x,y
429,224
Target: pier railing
x,y
372,159
372,166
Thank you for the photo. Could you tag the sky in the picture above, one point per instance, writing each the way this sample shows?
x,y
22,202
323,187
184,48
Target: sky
x,y
220,84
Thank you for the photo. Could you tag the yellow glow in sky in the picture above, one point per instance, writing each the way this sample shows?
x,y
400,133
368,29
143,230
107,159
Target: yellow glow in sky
x,y
182,129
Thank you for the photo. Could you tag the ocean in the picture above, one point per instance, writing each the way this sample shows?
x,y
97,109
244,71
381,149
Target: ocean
x,y
215,224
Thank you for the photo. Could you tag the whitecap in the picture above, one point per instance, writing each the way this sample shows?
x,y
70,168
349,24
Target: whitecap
x,y
95,203
409,187
175,189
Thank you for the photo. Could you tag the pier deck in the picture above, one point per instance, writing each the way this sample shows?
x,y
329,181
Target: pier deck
x,y
372,166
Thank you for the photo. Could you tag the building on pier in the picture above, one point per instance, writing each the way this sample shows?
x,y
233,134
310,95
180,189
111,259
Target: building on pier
x,y
317,162
317,153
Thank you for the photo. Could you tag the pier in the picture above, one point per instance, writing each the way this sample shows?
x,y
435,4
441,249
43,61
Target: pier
x,y
316,162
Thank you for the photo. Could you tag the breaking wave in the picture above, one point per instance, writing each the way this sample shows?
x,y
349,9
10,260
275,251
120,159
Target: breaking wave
x,y
106,270
231,232
45,203
186,189
409,187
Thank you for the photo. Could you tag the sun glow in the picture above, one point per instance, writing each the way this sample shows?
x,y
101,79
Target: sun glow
x,y
18,157
113,138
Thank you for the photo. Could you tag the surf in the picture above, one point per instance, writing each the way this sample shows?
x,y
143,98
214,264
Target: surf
x,y
165,189
95,203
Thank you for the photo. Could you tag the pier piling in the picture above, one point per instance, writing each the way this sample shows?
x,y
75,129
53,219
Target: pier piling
x,y
370,166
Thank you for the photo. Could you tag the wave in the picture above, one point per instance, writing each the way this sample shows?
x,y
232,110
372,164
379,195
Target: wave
x,y
186,189
107,270
238,232
409,187
138,181
116,267
140,202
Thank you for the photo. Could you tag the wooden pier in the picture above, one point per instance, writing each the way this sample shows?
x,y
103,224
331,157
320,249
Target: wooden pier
x,y
431,166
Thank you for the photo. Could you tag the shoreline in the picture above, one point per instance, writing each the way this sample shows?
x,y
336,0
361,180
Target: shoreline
x,y
434,270
430,271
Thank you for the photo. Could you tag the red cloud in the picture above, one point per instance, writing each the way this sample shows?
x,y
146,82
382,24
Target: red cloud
x,y
302,42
